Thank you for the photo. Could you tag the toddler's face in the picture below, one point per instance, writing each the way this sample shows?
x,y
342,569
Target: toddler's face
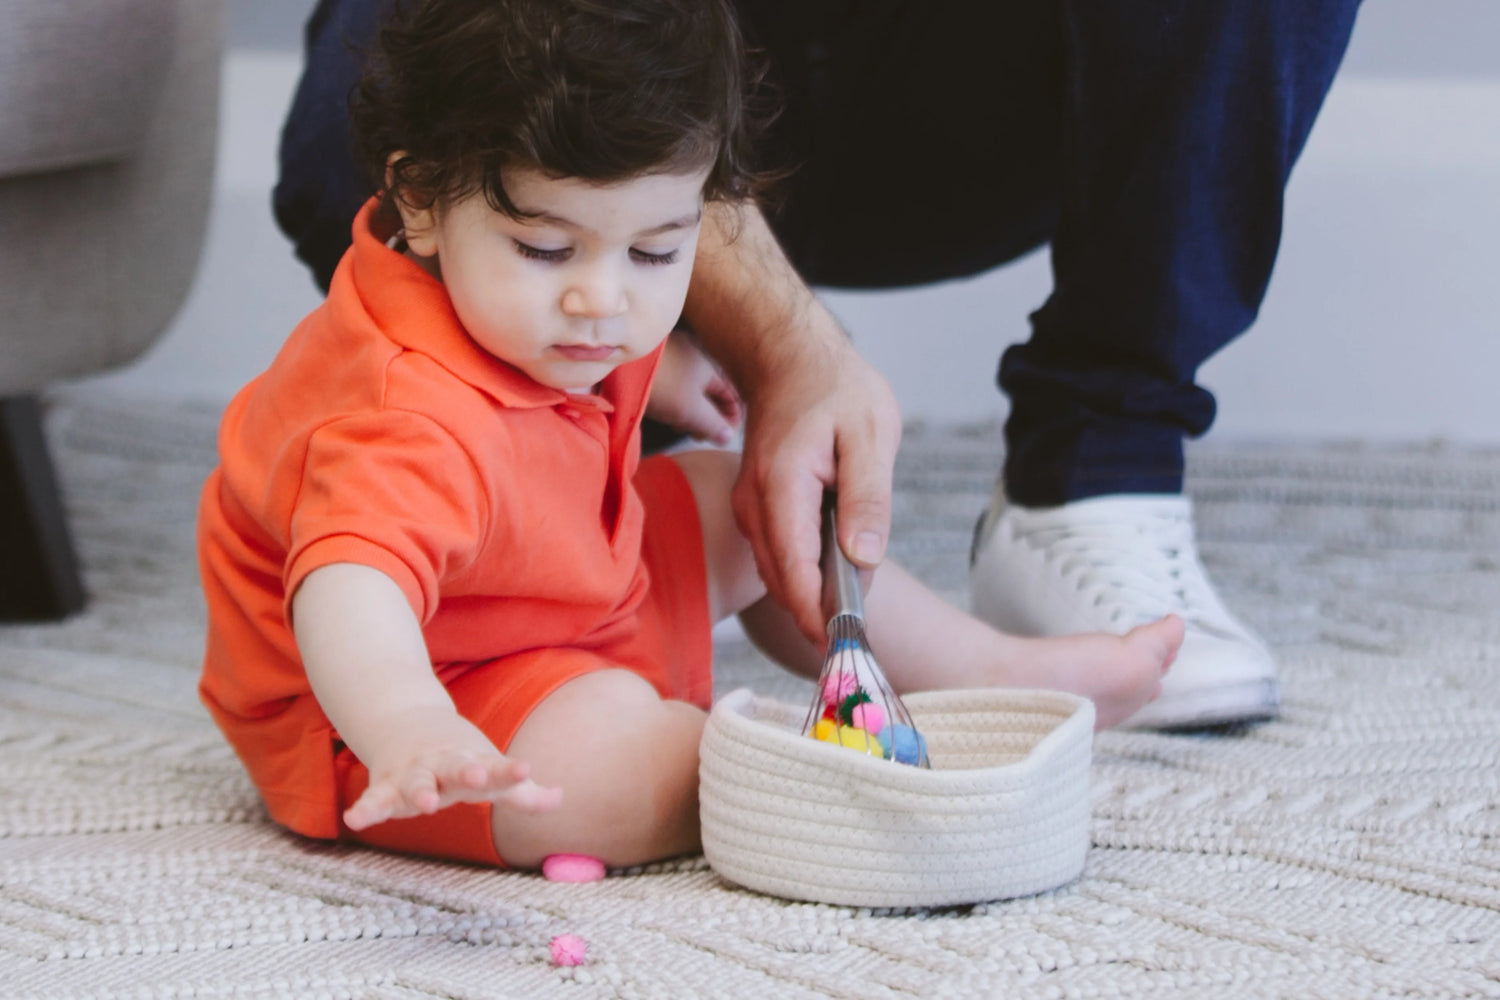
x,y
596,277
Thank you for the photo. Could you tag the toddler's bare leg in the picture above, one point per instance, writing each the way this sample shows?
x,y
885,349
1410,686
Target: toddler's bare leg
x,y
627,763
923,641
733,582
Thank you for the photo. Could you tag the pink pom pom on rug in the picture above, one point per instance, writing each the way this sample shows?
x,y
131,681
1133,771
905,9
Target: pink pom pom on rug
x,y
572,868
568,949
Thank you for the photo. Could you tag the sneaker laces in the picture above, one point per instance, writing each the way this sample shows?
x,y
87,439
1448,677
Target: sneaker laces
x,y
1135,569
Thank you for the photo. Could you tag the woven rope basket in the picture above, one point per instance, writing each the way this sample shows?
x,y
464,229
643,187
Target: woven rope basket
x,y
1003,812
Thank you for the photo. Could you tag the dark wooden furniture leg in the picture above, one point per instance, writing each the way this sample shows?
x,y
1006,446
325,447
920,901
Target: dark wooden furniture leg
x,y
39,577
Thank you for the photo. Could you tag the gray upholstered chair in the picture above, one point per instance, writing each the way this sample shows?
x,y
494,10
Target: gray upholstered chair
x,y
108,128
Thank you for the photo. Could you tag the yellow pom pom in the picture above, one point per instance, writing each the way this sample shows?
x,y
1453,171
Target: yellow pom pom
x,y
848,736
858,739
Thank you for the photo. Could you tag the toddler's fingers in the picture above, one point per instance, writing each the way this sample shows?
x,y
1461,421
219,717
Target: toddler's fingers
x,y
474,774
726,400
419,792
466,777
464,773
376,805
704,420
529,797
509,782
503,772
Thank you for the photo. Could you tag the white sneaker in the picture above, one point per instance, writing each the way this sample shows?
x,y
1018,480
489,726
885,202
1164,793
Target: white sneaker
x,y
1108,564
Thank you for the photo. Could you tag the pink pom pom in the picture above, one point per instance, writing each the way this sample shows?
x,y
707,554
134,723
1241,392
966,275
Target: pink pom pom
x,y
868,716
838,687
572,868
568,950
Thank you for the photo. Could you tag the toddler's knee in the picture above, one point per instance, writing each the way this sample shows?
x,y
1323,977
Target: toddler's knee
x,y
628,768
653,812
711,472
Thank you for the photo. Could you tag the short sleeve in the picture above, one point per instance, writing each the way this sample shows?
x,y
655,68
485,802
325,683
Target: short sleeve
x,y
392,490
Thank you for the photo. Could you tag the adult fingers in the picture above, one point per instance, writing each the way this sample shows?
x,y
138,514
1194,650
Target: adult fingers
x,y
866,468
778,511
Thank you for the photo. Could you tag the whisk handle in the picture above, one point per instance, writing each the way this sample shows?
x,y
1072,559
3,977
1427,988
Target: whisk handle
x,y
841,593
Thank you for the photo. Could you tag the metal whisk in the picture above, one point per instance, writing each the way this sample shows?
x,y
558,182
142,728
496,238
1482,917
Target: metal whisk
x,y
854,705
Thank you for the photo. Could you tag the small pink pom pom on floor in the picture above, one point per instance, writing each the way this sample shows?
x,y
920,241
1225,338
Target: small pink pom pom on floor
x,y
867,716
568,949
572,868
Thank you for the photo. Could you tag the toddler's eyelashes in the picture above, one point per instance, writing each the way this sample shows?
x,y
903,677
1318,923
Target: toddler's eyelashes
x,y
563,253
537,253
670,257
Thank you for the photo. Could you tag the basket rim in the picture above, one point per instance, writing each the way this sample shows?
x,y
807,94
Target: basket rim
x,y
750,718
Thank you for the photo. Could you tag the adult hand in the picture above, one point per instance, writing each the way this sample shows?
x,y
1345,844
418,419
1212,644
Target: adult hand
x,y
818,415
833,423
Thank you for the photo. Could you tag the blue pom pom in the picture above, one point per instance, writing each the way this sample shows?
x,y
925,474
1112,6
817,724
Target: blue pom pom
x,y
903,743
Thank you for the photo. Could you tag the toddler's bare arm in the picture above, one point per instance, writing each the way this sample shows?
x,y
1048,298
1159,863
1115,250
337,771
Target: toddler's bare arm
x,y
368,666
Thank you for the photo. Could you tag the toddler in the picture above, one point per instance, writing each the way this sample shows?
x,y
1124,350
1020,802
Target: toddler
x,y
451,610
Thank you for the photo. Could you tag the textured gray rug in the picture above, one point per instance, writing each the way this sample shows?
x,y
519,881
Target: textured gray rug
x,y
1349,849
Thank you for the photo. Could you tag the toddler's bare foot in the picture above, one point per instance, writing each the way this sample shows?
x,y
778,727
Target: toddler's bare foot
x,y
1119,673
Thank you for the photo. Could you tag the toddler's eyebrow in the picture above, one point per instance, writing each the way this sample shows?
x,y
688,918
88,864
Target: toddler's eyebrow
x,y
550,219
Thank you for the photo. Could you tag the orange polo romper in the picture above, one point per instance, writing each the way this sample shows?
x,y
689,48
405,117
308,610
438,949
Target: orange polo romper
x,y
533,544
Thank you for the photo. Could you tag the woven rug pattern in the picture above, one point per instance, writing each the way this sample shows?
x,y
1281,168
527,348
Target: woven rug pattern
x,y
1351,848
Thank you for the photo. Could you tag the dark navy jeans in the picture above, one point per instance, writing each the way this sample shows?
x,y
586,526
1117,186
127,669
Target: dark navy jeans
x,y
320,188
1148,141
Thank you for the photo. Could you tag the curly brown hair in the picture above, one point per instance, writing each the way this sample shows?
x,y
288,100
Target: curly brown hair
x,y
604,90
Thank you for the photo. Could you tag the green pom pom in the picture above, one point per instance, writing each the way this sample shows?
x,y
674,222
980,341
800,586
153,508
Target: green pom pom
x,y
846,707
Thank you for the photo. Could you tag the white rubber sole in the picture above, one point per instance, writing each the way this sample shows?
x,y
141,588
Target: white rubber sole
x,y
1205,708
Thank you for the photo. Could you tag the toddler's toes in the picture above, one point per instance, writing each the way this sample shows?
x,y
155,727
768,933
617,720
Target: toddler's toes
x,y
1161,639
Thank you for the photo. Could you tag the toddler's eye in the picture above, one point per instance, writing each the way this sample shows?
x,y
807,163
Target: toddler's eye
x,y
537,253
670,257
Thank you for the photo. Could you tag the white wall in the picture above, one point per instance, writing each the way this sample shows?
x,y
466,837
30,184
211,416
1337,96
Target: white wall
x,y
1383,319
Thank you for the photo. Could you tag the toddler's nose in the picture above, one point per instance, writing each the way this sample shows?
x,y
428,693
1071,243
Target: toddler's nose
x,y
596,295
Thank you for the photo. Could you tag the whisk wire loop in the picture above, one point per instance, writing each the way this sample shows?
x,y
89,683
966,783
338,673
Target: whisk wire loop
x,y
854,705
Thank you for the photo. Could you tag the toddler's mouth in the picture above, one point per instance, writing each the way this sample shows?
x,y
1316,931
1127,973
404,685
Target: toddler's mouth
x,y
585,352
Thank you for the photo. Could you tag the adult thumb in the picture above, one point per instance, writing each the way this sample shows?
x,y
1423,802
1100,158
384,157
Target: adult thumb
x,y
864,512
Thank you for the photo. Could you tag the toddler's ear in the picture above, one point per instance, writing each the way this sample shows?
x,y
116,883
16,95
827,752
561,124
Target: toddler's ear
x,y
418,223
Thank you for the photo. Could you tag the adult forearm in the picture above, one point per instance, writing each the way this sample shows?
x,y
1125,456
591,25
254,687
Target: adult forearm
x,y
750,308
817,415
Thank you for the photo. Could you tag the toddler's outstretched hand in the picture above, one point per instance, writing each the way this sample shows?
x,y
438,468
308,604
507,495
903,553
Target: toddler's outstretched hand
x,y
692,394
437,758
